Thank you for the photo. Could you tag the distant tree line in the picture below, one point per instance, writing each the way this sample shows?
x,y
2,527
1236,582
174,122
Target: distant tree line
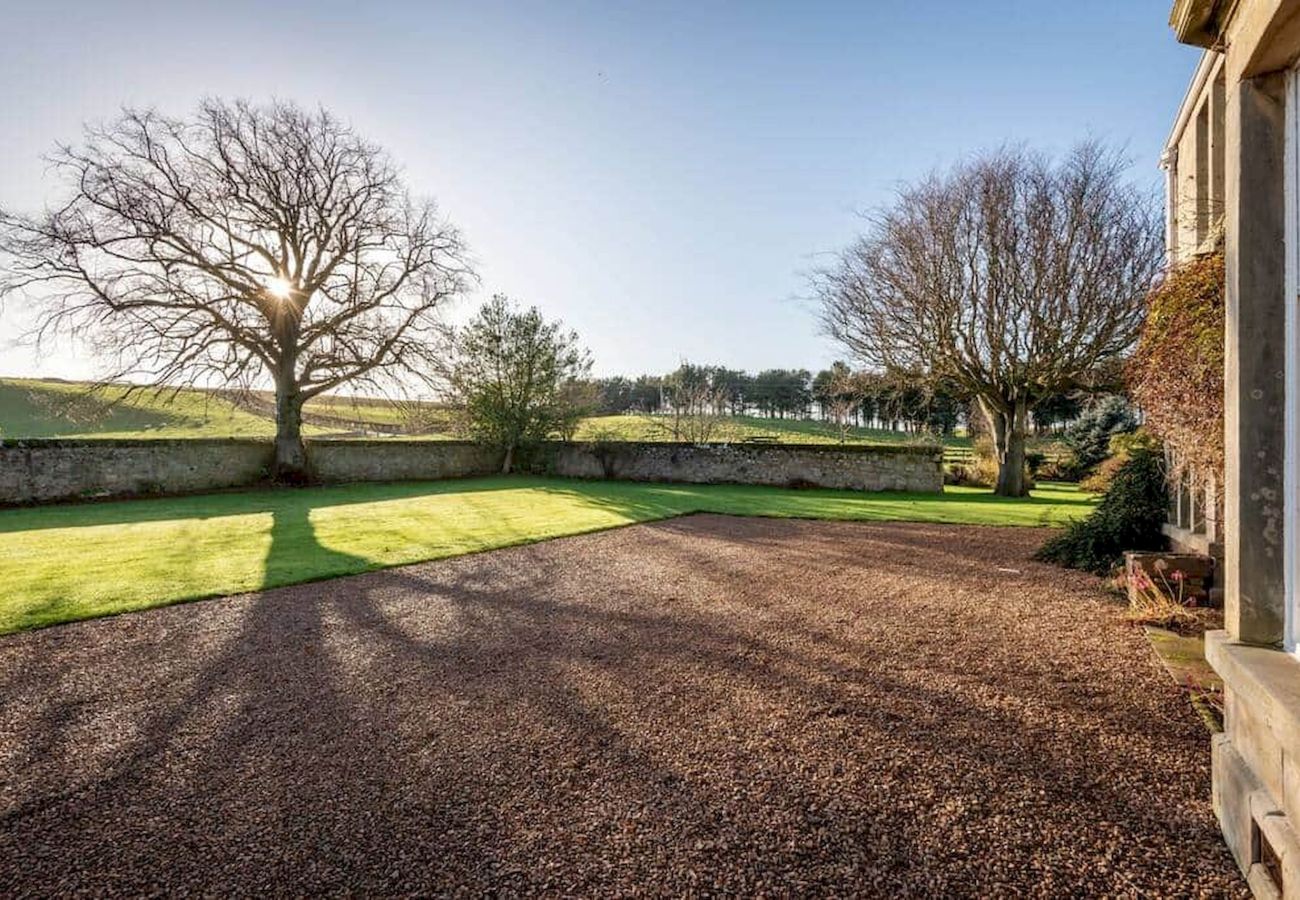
x,y
837,394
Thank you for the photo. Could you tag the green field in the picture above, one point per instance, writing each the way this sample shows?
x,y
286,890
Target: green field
x,y
37,408
40,408
44,409
77,561
739,428
412,415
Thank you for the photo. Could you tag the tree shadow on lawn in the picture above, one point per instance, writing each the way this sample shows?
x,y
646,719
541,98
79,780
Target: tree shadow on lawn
x,y
654,498
235,502
540,719
171,568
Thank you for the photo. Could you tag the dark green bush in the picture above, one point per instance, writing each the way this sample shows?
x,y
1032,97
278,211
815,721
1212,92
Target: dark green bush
x,y
1128,517
1034,460
1089,437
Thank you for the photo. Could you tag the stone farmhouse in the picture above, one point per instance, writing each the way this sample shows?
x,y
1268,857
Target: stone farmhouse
x,y
1233,164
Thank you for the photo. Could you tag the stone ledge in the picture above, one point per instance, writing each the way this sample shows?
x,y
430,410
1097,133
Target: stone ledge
x,y
1264,678
1194,22
1187,541
1244,809
901,448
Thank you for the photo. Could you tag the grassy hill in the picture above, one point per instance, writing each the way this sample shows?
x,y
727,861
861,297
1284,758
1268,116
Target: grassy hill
x,y
739,428
52,408
44,408
32,407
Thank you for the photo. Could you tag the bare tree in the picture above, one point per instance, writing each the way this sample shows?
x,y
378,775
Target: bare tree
x,y
243,244
844,395
693,404
692,413
1012,276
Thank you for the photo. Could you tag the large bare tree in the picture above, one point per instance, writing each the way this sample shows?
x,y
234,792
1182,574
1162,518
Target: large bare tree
x,y
1013,276
245,244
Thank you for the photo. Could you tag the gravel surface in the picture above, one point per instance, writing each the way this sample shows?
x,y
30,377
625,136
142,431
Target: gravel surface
x,y
704,705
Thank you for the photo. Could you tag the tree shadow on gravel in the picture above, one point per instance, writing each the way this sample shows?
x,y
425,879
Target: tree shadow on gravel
x,y
224,764
985,744
579,717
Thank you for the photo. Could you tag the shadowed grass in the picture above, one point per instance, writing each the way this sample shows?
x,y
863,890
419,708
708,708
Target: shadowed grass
x,y
68,562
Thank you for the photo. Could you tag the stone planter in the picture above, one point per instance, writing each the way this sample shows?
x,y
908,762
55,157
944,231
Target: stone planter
x,y
1195,571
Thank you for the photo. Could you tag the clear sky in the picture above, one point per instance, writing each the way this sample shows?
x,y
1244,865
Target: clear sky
x,y
658,175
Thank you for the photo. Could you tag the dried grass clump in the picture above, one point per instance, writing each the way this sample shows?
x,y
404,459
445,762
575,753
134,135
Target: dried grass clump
x,y
1161,602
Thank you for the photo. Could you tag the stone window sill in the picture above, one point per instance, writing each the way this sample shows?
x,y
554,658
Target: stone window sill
x,y
1266,678
1192,541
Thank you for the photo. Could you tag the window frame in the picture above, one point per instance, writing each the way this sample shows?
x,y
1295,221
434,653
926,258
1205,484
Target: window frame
x,y
1291,468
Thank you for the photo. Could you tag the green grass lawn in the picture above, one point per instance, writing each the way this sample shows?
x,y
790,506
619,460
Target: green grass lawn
x,y
77,561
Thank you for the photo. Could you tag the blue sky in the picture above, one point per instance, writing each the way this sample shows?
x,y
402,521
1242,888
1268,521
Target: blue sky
x,y
658,175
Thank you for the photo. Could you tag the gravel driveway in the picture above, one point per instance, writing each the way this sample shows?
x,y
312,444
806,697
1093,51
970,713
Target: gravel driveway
x,y
702,705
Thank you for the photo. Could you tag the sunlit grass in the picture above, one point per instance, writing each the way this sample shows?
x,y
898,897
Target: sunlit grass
x,y
736,428
78,561
35,408
31,408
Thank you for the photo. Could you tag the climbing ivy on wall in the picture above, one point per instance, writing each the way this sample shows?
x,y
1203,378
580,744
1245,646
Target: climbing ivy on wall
x,y
1177,373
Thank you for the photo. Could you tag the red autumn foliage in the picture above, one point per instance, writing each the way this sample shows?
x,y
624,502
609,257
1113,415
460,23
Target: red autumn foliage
x,y
1177,373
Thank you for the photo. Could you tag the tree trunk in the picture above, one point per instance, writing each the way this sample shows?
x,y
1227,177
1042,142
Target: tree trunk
x,y
509,461
290,453
1007,420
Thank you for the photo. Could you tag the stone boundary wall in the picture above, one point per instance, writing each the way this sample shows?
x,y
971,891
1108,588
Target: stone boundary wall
x,y
845,467
45,470
393,460
40,470
36,471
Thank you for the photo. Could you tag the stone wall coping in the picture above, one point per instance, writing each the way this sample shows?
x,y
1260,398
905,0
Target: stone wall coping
x,y
109,443
392,442
78,443
1265,678
762,447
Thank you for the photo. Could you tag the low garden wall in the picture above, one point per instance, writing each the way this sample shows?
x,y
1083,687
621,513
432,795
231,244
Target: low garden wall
x,y
846,467
41,470
392,460
35,471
